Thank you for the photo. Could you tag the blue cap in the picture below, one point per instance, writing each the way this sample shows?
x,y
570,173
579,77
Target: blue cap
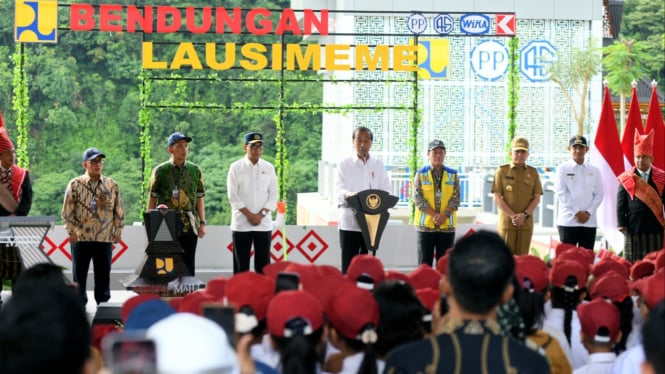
x,y
147,314
253,137
92,153
178,136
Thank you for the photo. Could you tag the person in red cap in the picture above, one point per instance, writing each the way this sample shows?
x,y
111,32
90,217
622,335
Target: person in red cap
x,y
15,200
295,321
517,191
436,195
479,278
178,183
651,295
640,201
568,281
579,188
600,324
353,333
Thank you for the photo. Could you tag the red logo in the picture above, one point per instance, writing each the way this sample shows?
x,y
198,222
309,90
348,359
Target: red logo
x,y
505,24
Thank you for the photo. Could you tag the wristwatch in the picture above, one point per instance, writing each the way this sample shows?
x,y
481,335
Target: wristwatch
x,y
526,215
202,222
264,212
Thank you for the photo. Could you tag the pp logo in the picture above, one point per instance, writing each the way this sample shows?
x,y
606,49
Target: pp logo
x,y
36,21
533,59
433,58
489,60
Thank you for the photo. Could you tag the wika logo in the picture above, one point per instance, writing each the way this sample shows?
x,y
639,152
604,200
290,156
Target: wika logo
x,y
433,58
474,24
36,21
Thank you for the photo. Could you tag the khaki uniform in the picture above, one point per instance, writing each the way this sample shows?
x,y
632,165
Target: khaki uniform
x,y
517,185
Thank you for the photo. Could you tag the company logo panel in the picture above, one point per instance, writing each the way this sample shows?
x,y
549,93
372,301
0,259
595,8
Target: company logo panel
x,y
36,21
433,58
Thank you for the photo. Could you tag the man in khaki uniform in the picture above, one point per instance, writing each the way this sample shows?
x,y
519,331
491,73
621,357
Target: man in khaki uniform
x,y
517,192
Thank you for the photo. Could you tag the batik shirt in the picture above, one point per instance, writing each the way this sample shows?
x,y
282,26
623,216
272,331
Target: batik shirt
x,y
93,209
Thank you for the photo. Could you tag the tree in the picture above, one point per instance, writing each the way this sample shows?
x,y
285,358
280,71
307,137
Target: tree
x,y
623,62
572,73
643,21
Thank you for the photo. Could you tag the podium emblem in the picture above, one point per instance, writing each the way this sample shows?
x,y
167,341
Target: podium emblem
x,y
371,211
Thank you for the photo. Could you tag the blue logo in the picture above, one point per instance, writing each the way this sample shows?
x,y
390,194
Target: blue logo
x,y
443,23
474,24
534,58
417,23
489,60
36,21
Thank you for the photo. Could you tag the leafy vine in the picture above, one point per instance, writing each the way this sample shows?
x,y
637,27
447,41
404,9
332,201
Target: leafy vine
x,y
20,103
513,89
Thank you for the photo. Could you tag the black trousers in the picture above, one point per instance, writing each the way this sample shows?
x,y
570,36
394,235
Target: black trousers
x,y
188,241
577,235
429,242
242,250
100,254
352,244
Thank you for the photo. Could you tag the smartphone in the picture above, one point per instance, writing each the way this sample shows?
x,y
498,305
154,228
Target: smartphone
x,y
287,281
224,316
129,353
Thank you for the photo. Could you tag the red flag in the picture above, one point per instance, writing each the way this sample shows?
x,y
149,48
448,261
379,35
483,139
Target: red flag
x,y
633,123
611,164
655,123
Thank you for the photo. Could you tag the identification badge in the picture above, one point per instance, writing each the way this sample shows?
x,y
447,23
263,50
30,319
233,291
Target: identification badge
x,y
175,194
93,204
438,195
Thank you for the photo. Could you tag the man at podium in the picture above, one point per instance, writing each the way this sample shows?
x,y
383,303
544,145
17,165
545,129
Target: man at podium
x,y
15,200
356,173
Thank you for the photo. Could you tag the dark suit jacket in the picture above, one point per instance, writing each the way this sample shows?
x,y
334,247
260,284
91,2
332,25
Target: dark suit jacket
x,y
635,215
26,199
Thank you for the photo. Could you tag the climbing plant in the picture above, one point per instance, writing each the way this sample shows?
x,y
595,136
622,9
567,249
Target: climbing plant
x,y
20,103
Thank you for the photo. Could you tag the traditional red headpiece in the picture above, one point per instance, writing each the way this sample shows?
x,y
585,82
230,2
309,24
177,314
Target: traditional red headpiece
x,y
5,143
644,144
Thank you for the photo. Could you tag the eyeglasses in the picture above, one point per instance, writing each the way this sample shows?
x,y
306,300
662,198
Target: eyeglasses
x,y
256,146
97,161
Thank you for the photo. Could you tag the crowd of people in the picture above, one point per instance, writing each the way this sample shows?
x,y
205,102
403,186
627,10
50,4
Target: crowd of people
x,y
480,309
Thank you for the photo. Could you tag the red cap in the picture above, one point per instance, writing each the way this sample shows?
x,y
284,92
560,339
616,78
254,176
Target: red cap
x,y
193,302
442,263
608,264
424,277
660,260
352,310
250,289
273,268
396,275
216,287
535,270
611,286
286,307
641,269
428,297
367,265
652,289
579,254
562,247
562,269
133,302
599,314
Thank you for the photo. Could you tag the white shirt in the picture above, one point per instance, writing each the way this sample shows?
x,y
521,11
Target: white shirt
x,y
351,364
579,354
578,188
354,175
251,186
560,337
630,361
599,363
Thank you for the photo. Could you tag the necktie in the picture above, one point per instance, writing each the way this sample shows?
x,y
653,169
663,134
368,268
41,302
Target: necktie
x,y
644,176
